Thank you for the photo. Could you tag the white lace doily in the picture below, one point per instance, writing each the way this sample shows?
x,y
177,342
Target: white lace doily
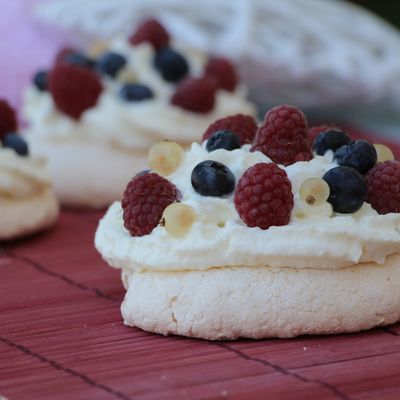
x,y
308,52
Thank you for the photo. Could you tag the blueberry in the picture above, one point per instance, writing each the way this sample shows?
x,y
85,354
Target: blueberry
x,y
40,80
223,140
347,189
79,59
171,64
330,140
110,63
136,92
141,173
359,155
15,142
211,178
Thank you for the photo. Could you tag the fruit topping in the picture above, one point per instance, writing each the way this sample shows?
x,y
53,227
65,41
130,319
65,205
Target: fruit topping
x,y
223,72
383,187
211,178
263,196
40,81
74,89
110,63
359,155
78,59
62,53
144,201
331,139
195,94
8,120
178,219
164,157
17,143
245,126
172,66
347,189
314,191
144,172
151,31
136,92
283,136
223,140
314,131
126,76
383,153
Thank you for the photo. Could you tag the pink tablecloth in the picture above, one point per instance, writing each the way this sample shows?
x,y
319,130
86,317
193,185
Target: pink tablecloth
x,y
25,47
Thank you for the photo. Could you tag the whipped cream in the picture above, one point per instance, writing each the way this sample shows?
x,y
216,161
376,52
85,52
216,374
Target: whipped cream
x,y
21,177
219,238
133,125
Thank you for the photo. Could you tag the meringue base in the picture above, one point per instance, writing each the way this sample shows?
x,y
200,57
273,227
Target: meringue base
x,y
228,303
22,217
88,174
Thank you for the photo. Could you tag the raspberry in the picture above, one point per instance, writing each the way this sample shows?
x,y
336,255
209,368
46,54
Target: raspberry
x,y
314,131
151,31
74,89
62,54
245,126
8,120
144,201
263,196
195,94
223,72
383,187
283,136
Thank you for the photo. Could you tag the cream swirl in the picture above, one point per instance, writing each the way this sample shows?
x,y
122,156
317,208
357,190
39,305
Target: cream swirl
x,y
219,238
133,125
21,177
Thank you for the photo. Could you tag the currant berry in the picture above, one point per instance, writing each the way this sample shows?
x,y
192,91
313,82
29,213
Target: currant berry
x,y
178,219
164,157
314,191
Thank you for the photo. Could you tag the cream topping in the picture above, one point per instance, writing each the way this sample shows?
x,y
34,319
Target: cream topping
x,y
21,177
135,125
220,238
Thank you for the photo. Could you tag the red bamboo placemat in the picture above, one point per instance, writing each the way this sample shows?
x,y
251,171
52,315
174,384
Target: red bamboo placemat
x,y
61,337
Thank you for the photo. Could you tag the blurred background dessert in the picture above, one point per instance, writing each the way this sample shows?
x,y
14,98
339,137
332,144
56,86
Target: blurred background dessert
x,y
27,200
94,114
334,59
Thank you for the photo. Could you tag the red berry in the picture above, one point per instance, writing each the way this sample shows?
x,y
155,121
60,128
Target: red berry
x,y
195,94
62,54
144,202
74,89
245,126
314,131
283,136
263,196
8,120
153,32
383,187
223,72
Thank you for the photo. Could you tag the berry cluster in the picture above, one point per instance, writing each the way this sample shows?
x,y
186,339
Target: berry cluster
x,y
263,195
365,172
9,137
74,81
283,136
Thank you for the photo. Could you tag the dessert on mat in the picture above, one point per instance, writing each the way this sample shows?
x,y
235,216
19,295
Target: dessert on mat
x,y
95,115
27,201
260,233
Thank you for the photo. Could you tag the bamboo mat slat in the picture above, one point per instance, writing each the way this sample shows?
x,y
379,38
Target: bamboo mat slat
x,y
61,337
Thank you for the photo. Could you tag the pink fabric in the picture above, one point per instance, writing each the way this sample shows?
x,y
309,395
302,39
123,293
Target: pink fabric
x,y
25,47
